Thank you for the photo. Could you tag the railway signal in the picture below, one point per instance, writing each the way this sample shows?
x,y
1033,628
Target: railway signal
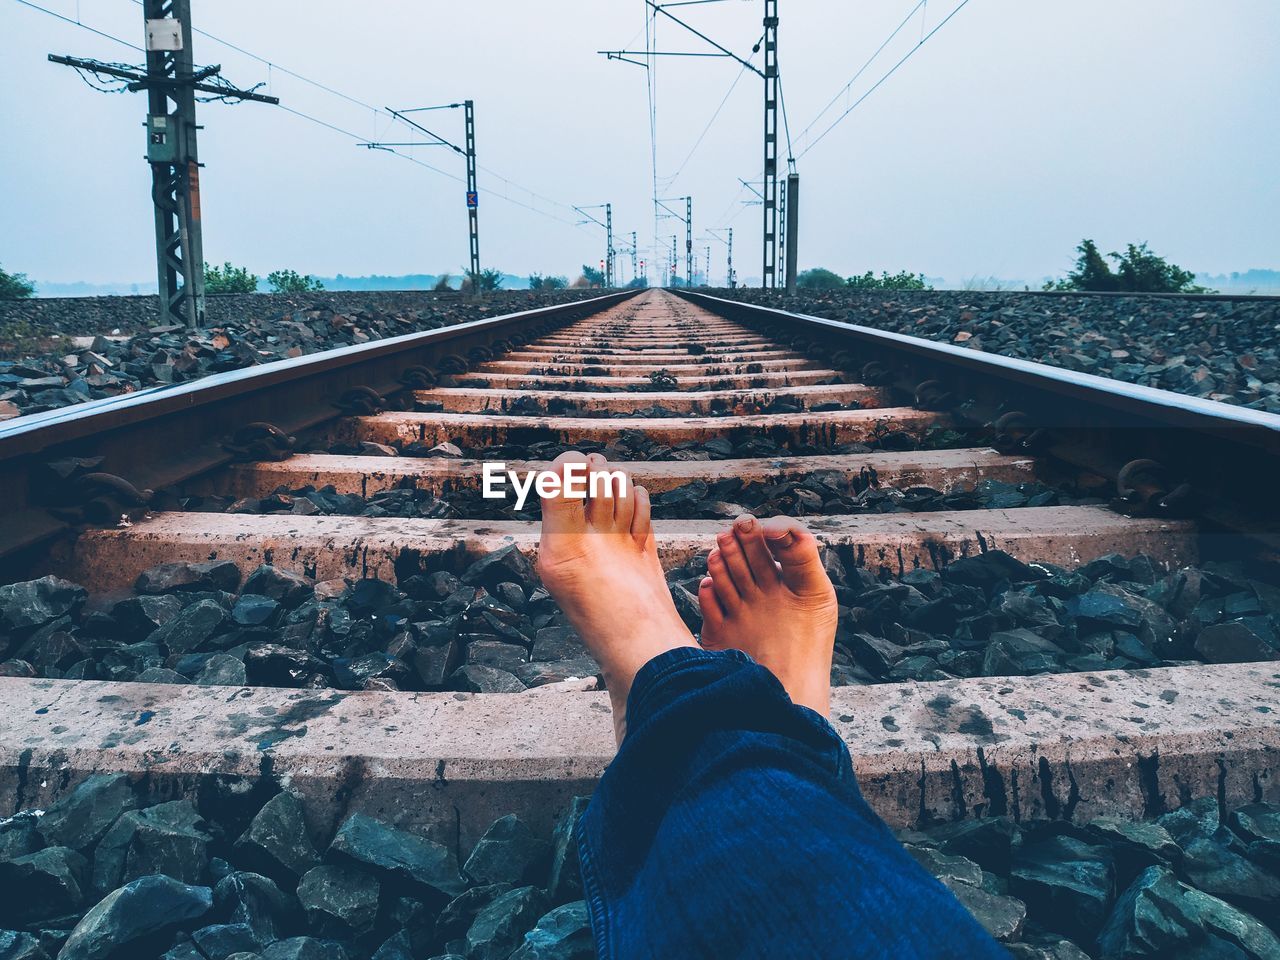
x,y
172,81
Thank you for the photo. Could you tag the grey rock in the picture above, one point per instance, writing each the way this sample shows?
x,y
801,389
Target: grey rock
x,y
557,643
397,855
191,628
222,669
1000,916
564,881
562,934
33,603
499,928
1066,884
476,678
500,566
254,610
495,653
945,867
284,586
175,577
434,664
398,946
128,921
540,674
304,948
255,901
1233,642
42,886
18,836
15,945
81,818
168,838
1059,950
276,841
338,900
508,853
456,917
220,941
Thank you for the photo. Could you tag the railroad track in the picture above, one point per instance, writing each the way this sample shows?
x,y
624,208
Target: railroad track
x,y
679,390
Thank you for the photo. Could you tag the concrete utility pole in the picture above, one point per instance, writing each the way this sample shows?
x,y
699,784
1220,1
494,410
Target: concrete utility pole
x,y
172,81
782,234
675,261
634,253
733,281
706,271
793,226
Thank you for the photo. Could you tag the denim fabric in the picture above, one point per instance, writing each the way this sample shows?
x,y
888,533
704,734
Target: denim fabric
x,y
730,825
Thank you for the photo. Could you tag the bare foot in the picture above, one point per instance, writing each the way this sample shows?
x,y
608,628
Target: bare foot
x,y
769,596
598,559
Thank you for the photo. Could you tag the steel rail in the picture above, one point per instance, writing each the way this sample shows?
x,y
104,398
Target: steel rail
x,y
1230,455
157,437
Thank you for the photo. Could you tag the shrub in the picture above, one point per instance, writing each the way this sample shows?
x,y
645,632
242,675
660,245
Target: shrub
x,y
1138,270
444,282
229,279
482,282
288,281
818,278
15,286
886,281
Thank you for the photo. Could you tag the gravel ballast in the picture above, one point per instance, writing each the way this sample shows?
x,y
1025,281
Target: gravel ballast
x,y
104,875
1219,349
490,627
245,331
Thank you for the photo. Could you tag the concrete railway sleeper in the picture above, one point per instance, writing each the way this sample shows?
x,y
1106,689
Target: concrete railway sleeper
x,y
1056,597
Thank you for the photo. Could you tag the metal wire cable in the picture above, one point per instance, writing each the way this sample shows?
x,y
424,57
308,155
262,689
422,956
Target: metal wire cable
x,y
892,70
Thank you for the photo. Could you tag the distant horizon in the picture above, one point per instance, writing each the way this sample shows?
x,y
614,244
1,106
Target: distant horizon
x,y
1262,280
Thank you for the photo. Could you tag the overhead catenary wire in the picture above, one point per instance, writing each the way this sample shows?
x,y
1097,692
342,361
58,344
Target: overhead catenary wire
x,y
273,67
892,70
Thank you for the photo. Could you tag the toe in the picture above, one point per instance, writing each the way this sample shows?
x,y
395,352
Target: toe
x,y
735,562
750,536
624,503
563,514
641,527
725,590
712,614
599,505
796,550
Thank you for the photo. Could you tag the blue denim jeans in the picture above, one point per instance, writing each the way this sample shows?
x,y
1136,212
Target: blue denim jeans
x,y
730,825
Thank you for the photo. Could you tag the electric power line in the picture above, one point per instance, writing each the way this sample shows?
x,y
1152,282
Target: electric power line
x,y
892,70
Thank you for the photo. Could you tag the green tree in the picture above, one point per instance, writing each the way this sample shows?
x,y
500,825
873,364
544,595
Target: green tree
x,y
229,279
15,286
887,281
818,278
535,281
557,282
1138,270
637,283
289,281
595,278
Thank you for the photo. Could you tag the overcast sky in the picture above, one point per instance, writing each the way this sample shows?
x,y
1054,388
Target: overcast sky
x,y
1019,128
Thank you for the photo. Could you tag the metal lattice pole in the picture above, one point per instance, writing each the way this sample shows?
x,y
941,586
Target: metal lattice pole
x,y
473,196
688,241
769,277
608,230
732,279
634,254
